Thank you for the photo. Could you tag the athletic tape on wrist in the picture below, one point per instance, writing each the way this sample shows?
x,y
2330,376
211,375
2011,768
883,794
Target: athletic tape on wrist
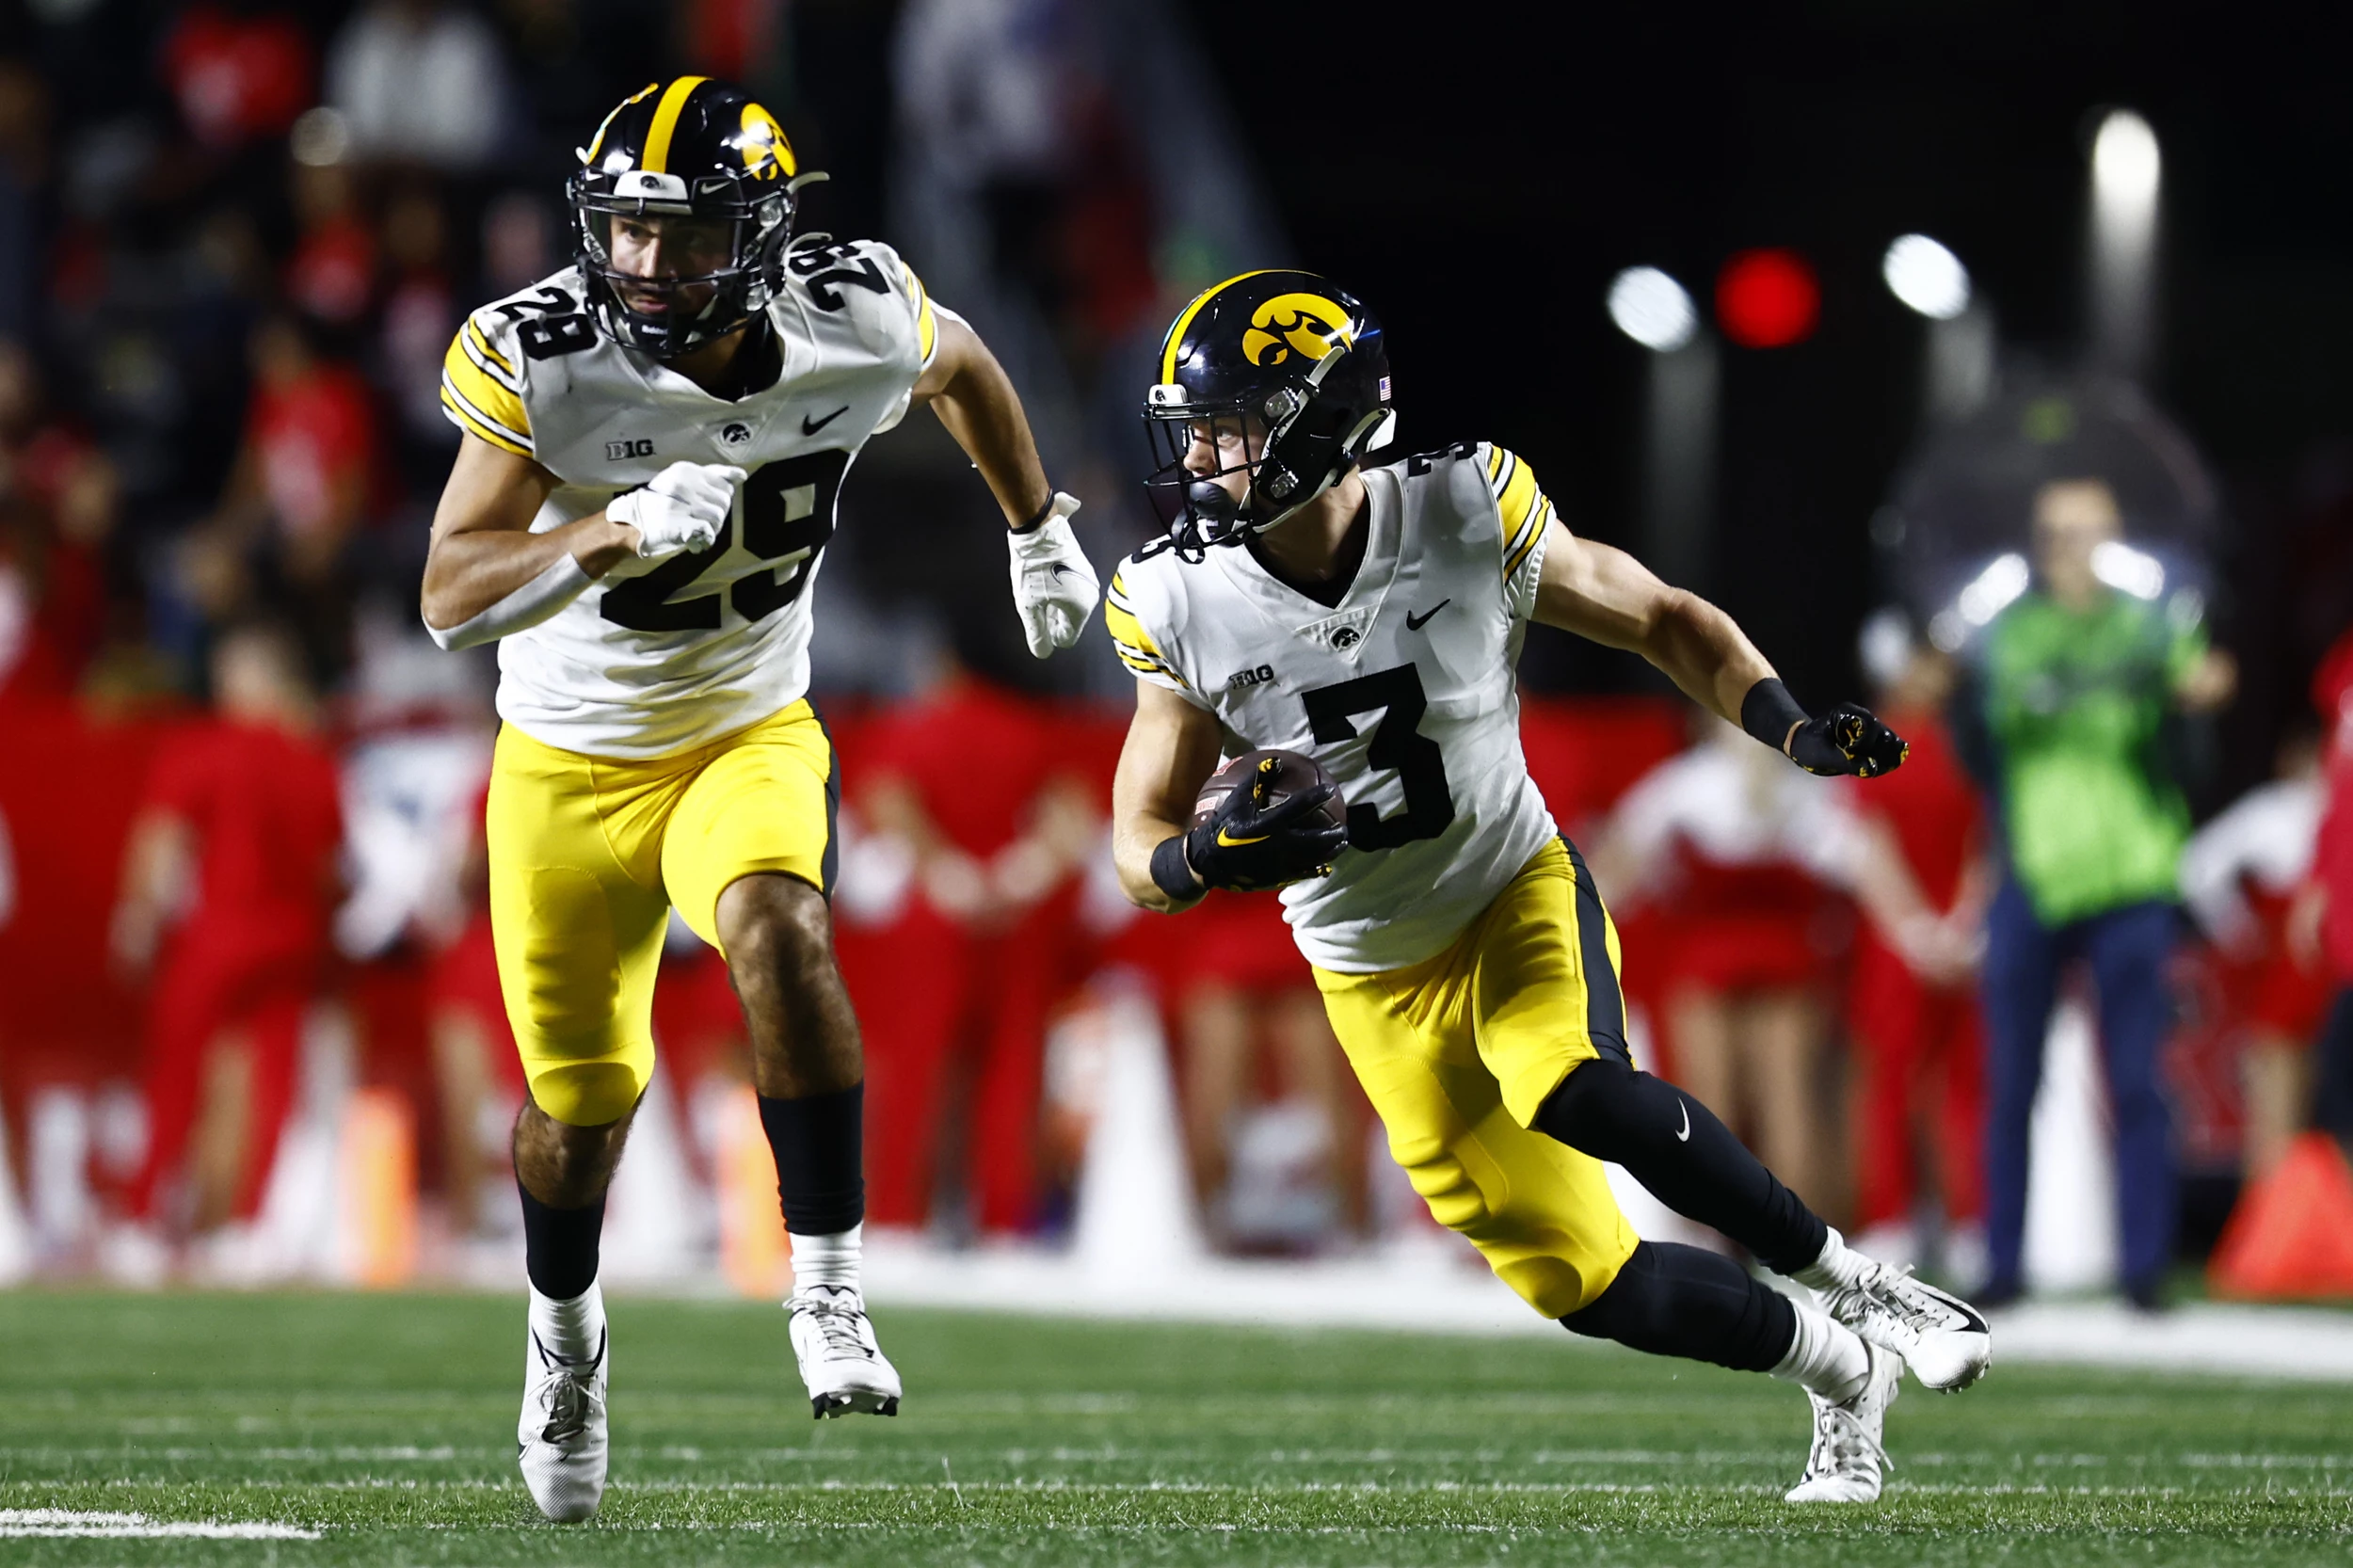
x,y
1171,874
526,607
1769,713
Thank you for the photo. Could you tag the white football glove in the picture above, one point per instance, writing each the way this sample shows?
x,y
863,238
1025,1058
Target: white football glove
x,y
1053,585
685,507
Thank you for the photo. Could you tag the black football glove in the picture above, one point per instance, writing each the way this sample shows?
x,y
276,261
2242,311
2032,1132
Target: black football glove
x,y
1847,740
1248,846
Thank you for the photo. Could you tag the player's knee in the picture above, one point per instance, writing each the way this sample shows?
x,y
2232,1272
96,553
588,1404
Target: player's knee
x,y
587,1093
1454,1197
1589,1103
775,927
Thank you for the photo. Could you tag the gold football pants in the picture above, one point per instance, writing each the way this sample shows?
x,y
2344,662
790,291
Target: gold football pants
x,y
587,856
1457,1053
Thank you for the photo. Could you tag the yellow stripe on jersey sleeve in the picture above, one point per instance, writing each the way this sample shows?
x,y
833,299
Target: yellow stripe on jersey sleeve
x,y
485,353
926,325
1137,651
1517,551
479,399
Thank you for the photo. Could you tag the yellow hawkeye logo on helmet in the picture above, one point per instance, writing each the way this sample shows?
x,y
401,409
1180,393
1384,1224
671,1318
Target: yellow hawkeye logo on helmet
x,y
766,153
1307,323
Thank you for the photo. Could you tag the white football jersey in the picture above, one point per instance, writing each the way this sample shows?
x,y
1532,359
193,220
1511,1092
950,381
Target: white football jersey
x,y
1404,691
657,656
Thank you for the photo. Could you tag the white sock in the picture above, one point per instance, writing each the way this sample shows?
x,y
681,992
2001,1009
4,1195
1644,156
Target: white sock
x,y
1837,1264
1826,1358
572,1329
827,1259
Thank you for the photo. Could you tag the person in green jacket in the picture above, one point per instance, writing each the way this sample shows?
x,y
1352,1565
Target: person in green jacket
x,y
2080,676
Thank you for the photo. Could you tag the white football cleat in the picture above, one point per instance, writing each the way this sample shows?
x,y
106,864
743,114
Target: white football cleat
x,y
1845,1463
843,1367
560,1440
1941,1338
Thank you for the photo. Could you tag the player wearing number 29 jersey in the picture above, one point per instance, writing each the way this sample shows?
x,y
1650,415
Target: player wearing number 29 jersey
x,y
655,439
1403,691
660,655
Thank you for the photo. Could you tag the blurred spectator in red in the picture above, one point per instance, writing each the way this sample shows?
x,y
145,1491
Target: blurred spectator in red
x,y
229,886
1730,840
967,779
60,499
2239,876
1920,1094
297,494
24,178
239,71
1259,1057
330,277
417,81
419,317
2321,924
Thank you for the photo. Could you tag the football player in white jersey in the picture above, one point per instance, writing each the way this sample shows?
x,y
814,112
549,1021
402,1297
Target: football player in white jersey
x,y
1369,617
654,440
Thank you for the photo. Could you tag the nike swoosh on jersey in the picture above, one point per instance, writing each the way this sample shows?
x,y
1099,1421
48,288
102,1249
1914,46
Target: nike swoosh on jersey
x,y
1685,1135
1414,622
811,427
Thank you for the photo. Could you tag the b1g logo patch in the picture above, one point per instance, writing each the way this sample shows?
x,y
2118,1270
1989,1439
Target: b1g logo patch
x,y
621,452
1243,679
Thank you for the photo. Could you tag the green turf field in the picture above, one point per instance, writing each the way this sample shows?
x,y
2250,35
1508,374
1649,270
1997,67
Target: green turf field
x,y
385,1424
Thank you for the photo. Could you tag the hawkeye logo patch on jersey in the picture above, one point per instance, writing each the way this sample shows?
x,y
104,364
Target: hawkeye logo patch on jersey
x,y
736,435
1244,679
622,451
1307,323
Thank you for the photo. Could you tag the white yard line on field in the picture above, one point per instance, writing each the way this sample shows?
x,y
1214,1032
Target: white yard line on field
x,y
1431,1290
68,1522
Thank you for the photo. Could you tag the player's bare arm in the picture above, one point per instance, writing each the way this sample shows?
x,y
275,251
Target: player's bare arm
x,y
1611,597
483,549
1170,750
1055,586
974,398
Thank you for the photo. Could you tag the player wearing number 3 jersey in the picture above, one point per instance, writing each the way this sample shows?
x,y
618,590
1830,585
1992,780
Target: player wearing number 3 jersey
x,y
1370,617
655,439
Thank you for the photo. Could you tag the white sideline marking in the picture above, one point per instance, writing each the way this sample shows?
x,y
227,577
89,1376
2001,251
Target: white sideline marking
x,y
1450,1292
63,1522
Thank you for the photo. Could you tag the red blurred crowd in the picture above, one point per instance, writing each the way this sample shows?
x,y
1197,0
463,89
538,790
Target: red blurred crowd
x,y
192,892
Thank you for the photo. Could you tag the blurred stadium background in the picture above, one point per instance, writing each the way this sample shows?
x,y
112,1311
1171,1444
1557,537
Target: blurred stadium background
x,y
1803,303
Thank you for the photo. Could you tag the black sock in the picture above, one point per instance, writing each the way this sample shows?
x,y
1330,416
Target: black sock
x,y
560,1246
1673,1300
820,1145
1689,1160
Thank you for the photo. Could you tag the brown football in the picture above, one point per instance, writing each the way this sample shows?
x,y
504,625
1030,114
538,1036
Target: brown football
x,y
1291,774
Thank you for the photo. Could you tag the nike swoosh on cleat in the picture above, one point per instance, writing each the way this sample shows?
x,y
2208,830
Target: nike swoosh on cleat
x,y
1414,622
811,427
1684,1136
1061,569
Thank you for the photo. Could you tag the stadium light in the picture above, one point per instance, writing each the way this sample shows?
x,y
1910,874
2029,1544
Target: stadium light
x,y
2128,571
2127,176
1927,276
2126,165
1652,309
1768,299
1991,591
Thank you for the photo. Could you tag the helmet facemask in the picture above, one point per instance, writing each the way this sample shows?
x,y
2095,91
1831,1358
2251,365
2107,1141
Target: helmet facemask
x,y
1291,442
752,229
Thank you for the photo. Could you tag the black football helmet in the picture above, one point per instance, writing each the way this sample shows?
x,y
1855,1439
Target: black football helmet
x,y
691,147
1293,372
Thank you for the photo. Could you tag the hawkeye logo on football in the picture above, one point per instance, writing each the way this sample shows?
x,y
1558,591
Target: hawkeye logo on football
x,y
1306,323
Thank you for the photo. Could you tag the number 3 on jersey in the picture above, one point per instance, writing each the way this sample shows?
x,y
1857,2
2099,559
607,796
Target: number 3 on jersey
x,y
787,510
1396,744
